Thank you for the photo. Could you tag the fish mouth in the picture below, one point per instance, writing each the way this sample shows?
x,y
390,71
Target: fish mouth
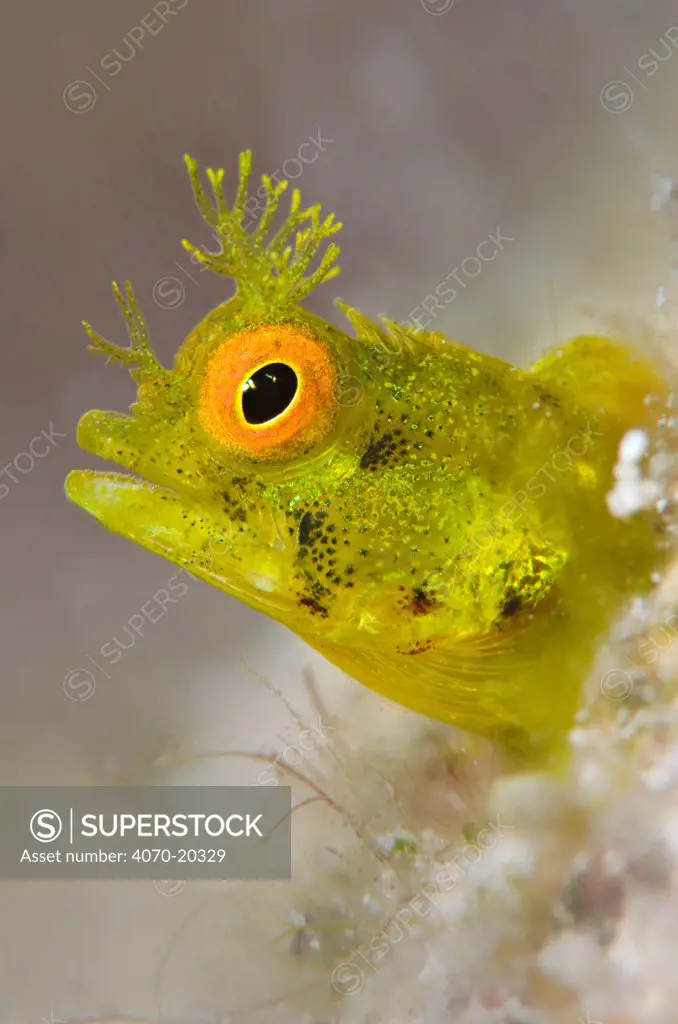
x,y
180,526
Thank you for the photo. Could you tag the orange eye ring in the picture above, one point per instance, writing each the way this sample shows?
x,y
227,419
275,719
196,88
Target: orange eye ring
x,y
302,423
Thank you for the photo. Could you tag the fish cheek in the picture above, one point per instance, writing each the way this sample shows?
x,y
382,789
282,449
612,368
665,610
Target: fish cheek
x,y
384,451
324,556
334,548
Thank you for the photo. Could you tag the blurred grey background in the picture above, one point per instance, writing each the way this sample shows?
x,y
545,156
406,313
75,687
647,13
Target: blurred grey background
x,y
442,122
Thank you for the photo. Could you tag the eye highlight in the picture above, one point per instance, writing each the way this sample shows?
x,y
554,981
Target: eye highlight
x,y
270,392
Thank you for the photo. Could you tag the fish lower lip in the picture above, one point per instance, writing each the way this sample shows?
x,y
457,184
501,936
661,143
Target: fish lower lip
x,y
176,526
160,520
126,504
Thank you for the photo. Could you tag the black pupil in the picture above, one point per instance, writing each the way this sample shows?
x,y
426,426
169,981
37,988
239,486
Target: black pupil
x,y
268,392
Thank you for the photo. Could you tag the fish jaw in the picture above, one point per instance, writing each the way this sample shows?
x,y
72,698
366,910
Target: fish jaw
x,y
185,532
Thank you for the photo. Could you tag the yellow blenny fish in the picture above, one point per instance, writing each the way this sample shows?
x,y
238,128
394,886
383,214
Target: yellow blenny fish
x,y
432,520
